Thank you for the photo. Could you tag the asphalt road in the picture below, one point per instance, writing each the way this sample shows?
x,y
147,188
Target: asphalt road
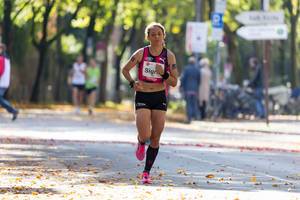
x,y
49,156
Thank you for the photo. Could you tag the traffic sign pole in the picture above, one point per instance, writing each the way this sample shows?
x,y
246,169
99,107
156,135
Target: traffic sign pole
x,y
198,19
266,63
217,34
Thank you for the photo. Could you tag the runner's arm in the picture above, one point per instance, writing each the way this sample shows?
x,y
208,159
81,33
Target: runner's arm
x,y
131,63
173,78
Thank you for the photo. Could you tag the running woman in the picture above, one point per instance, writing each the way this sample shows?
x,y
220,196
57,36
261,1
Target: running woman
x,y
156,70
78,82
91,83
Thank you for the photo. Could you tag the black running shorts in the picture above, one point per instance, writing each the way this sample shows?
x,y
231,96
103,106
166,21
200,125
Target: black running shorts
x,y
151,100
79,86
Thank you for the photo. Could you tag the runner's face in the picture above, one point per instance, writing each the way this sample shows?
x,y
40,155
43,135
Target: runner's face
x,y
156,35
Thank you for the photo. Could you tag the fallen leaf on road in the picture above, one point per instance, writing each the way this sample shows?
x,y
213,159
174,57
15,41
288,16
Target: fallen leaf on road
x,y
161,174
210,176
253,178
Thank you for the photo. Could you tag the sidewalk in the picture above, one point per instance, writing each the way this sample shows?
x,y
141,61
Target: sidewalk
x,y
278,124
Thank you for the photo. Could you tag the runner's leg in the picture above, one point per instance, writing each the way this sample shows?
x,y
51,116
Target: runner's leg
x,y
158,123
143,117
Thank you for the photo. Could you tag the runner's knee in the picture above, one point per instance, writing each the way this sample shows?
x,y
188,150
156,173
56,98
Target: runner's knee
x,y
144,137
155,141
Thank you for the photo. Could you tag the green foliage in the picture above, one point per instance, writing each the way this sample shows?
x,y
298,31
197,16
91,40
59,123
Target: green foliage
x,y
173,14
176,106
70,45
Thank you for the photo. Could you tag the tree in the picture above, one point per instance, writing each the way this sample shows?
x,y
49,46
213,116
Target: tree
x,y
43,42
105,36
128,32
8,20
293,7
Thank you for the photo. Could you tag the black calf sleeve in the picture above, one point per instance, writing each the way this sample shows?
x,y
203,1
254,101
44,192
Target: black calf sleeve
x,y
150,158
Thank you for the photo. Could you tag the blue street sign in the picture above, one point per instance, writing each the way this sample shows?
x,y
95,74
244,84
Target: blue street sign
x,y
217,20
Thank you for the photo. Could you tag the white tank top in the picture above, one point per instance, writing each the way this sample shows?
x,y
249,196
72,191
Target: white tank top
x,y
78,74
5,78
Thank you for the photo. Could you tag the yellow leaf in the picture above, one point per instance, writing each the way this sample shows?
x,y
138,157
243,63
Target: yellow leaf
x,y
19,179
253,179
39,176
18,187
210,176
3,191
34,193
161,174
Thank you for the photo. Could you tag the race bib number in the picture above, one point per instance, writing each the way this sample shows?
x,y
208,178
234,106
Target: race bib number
x,y
149,69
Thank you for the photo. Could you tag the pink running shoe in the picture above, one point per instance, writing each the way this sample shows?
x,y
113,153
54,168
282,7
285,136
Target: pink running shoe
x,y
140,152
146,178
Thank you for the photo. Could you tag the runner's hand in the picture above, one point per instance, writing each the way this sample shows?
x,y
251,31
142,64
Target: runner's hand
x,y
159,69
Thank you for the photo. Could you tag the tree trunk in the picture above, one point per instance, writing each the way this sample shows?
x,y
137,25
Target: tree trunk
x,y
294,70
233,54
7,25
107,34
89,35
282,67
36,85
60,73
124,45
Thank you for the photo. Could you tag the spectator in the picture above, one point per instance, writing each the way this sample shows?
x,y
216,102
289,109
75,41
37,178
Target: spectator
x,y
91,84
204,89
5,81
190,81
257,85
227,71
78,82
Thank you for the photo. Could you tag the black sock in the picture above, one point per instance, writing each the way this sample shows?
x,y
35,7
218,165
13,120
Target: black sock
x,y
150,158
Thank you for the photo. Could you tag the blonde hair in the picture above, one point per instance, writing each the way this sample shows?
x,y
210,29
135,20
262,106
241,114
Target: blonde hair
x,y
204,62
152,25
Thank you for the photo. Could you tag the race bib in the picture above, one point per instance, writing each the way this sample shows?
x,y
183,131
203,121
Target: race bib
x,y
149,69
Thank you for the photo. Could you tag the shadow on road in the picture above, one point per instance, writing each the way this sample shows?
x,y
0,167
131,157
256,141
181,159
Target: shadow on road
x,y
30,166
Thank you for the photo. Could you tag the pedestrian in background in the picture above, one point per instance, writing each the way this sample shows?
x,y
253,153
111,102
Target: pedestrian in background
x,y
78,82
156,69
190,82
91,84
5,82
256,84
204,89
227,71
